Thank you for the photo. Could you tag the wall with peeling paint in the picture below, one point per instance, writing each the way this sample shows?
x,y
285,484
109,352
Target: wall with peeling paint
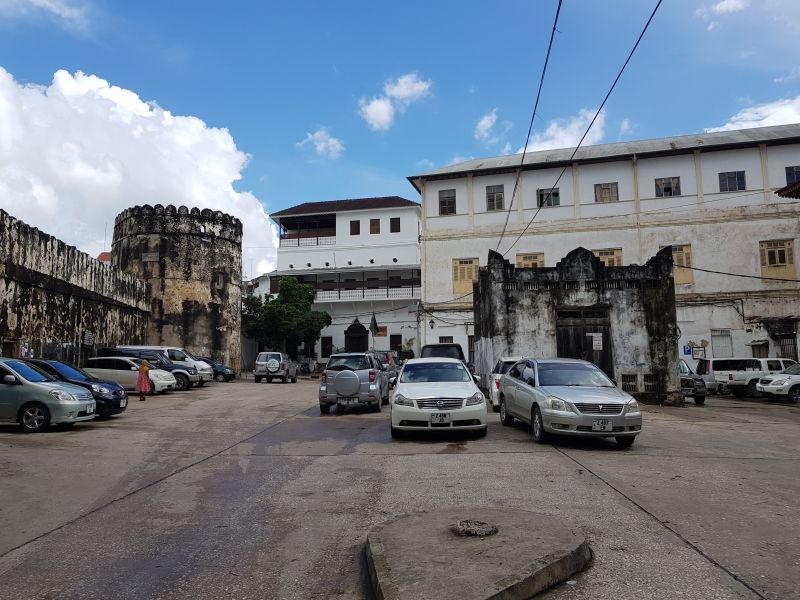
x,y
192,260
58,302
517,310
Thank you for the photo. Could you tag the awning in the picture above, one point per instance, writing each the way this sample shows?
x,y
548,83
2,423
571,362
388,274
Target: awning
x,y
757,343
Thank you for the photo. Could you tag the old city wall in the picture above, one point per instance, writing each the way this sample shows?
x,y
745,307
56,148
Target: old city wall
x,y
556,311
192,260
58,302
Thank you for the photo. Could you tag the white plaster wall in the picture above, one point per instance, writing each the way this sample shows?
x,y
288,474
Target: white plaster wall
x,y
714,163
651,169
546,178
778,158
618,171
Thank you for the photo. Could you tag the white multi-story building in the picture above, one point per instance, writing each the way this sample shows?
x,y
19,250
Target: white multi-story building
x,y
362,257
710,196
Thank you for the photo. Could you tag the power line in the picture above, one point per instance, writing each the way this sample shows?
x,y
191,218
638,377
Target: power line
x,y
739,274
585,133
530,127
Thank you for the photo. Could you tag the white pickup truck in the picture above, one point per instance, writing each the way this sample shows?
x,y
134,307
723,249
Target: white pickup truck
x,y
741,375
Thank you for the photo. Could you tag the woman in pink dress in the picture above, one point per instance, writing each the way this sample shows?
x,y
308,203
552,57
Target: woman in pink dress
x,y
143,382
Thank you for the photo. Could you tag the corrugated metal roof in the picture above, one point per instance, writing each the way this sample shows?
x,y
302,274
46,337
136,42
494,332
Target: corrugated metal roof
x,y
790,191
666,145
334,206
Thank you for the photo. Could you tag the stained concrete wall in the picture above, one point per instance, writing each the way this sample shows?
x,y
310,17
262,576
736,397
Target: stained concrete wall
x,y
192,260
52,295
516,312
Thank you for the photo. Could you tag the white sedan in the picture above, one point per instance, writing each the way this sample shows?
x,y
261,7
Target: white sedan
x,y
437,394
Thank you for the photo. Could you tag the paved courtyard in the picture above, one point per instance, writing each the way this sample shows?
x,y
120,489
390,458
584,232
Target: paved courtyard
x,y
245,491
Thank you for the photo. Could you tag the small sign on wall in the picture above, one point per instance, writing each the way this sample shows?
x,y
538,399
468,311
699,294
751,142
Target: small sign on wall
x,y
149,256
687,350
698,352
597,340
382,332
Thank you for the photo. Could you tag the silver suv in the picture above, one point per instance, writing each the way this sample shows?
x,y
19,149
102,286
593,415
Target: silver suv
x,y
275,365
353,378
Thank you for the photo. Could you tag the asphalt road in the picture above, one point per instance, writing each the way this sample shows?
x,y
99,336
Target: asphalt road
x,y
246,491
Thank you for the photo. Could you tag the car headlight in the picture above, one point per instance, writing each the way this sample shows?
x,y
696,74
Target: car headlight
x,y
63,396
476,398
779,381
554,403
101,389
632,406
229,371
403,401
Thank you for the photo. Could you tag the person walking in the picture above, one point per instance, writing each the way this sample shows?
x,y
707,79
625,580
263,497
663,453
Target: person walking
x,y
143,382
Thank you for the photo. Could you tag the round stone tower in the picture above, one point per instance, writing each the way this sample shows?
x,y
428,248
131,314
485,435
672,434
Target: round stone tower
x,y
192,260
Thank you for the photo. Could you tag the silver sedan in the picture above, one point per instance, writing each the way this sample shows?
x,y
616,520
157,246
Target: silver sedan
x,y
568,397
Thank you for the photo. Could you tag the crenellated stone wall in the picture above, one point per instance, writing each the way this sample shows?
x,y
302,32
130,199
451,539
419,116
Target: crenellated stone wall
x,y
192,260
58,302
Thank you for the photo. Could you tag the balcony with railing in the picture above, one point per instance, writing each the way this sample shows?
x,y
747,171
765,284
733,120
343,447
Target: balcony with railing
x,y
299,232
368,285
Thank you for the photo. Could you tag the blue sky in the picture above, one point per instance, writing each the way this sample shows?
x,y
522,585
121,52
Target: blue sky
x,y
276,74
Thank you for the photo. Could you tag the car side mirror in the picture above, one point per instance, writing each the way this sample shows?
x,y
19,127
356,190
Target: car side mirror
x,y
134,368
476,380
10,380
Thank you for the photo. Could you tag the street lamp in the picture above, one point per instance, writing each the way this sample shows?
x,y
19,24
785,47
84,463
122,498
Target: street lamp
x,y
431,323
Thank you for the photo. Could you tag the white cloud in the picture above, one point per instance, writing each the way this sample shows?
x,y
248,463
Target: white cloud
x,y
379,112
483,130
70,14
507,148
324,143
729,6
459,159
74,154
425,164
625,128
566,133
792,75
779,112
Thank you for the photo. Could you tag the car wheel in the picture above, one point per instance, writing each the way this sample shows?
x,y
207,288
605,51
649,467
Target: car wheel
x,y
325,409
34,417
505,418
269,379
751,389
537,426
481,433
258,379
181,382
699,400
219,378
794,394
625,441
152,388
284,379
377,405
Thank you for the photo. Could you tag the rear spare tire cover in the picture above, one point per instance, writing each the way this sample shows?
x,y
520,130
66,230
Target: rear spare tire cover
x,y
273,365
346,383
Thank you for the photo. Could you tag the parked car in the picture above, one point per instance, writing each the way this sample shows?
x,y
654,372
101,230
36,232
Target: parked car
x,y
500,369
784,385
446,351
110,398
353,378
705,369
691,384
437,394
181,356
741,375
275,365
568,397
390,364
33,399
221,372
185,376
125,371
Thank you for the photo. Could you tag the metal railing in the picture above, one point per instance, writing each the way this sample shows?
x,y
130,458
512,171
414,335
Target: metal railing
x,y
381,293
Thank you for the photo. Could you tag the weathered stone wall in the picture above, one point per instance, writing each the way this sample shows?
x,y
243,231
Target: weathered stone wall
x,y
58,302
192,260
517,310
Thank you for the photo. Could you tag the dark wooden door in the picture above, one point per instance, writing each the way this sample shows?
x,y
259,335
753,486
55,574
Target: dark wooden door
x,y
356,338
579,332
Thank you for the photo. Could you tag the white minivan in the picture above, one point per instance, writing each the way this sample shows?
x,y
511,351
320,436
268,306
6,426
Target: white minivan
x,y
183,357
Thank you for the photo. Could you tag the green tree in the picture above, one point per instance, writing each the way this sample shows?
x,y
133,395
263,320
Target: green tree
x,y
283,322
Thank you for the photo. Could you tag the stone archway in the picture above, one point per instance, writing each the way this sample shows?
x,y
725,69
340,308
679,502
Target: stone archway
x,y
356,337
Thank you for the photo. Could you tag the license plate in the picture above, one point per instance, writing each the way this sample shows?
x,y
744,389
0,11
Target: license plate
x,y
123,403
440,418
602,425
346,399
89,410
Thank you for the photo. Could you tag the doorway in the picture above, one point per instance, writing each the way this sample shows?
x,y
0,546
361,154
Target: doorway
x,y
585,334
356,338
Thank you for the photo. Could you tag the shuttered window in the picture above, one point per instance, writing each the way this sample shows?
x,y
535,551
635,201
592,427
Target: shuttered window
x,y
681,259
606,192
610,257
534,259
374,226
777,259
465,271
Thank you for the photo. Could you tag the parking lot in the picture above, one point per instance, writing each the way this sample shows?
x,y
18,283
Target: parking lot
x,y
245,491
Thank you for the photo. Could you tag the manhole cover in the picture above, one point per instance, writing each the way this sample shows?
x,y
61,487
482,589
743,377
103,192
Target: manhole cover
x,y
472,528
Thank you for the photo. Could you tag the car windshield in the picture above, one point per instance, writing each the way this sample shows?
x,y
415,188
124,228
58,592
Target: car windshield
x,y
505,366
28,372
434,372
441,352
572,374
70,372
347,363
793,370
190,355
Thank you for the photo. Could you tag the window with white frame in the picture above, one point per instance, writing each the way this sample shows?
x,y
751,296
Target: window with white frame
x,y
732,181
668,186
447,202
548,197
494,197
606,192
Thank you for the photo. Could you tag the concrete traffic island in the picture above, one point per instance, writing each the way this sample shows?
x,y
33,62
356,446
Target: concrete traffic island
x,y
472,553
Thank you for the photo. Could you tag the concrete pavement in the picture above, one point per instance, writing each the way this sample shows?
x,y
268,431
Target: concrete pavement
x,y
245,491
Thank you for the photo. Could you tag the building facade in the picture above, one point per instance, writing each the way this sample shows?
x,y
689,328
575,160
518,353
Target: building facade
x,y
362,257
709,196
